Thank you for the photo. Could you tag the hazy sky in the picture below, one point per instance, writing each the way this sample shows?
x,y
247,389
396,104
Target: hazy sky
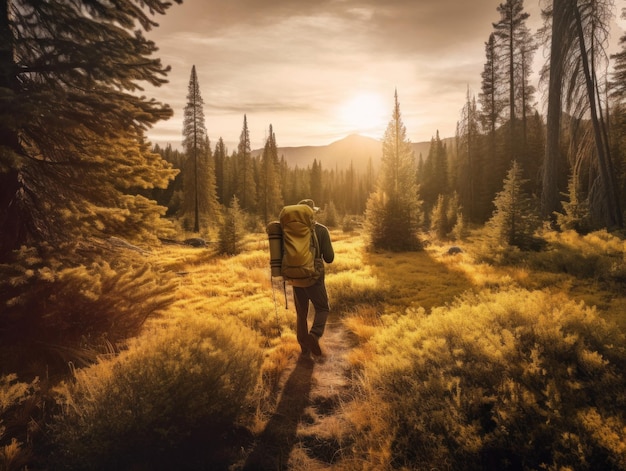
x,y
319,70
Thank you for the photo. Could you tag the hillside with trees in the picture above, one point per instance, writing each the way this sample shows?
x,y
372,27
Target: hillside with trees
x,y
478,287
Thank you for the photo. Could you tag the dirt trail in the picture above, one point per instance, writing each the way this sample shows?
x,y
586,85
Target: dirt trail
x,y
307,429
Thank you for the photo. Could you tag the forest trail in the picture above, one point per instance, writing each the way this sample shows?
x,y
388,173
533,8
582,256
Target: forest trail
x,y
307,429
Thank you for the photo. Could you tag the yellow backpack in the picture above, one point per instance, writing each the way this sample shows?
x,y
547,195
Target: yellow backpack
x,y
300,258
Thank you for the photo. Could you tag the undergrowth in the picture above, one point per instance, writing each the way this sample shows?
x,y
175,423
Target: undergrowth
x,y
461,362
188,383
510,380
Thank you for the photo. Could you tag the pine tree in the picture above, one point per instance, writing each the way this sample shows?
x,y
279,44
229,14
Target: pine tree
x,y
508,31
470,170
575,215
200,195
220,157
316,181
439,157
394,210
493,104
232,230
246,190
515,219
438,218
73,164
270,195
72,123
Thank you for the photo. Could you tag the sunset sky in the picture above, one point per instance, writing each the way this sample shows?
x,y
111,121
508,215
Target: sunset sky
x,y
320,70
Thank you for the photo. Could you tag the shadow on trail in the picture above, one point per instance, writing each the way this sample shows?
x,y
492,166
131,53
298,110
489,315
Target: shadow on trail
x,y
274,445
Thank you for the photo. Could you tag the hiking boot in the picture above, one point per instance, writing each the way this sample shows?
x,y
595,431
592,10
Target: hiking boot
x,y
314,345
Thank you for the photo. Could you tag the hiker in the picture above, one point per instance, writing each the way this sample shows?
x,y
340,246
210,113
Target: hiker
x,y
316,293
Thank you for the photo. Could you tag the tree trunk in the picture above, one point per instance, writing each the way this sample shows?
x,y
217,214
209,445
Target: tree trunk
x,y
613,213
550,190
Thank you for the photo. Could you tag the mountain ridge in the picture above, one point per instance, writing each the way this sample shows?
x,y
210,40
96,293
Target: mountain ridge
x,y
354,148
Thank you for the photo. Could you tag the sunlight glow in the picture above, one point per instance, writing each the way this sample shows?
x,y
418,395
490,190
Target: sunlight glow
x,y
364,113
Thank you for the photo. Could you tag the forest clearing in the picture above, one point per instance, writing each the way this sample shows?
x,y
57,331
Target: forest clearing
x,y
476,284
220,386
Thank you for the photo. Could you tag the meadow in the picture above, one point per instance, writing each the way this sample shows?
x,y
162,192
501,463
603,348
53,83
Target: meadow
x,y
475,360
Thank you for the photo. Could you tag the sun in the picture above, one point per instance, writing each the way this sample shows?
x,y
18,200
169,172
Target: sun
x,y
364,113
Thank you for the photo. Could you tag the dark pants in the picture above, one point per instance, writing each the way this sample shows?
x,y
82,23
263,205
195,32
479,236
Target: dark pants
x,y
319,298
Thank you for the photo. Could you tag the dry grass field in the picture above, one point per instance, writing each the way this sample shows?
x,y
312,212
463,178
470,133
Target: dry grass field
x,y
309,417
431,361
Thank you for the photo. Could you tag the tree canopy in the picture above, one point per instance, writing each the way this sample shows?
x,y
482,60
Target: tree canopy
x,y
72,149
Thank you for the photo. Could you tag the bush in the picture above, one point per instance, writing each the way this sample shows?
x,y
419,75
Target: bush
x,y
18,404
61,307
514,380
598,255
174,393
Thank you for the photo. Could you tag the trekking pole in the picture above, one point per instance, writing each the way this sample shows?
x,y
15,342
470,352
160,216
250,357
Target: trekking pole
x,y
275,305
285,291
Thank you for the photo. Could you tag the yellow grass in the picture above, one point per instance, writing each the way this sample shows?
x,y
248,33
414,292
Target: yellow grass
x,y
369,293
362,286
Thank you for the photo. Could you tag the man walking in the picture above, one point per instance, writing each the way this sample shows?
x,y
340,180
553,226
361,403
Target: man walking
x,y
316,294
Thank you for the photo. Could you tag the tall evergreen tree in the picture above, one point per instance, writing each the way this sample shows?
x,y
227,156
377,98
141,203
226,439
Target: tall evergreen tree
x,y
509,31
316,181
433,178
220,157
493,104
246,191
269,191
525,94
194,137
199,184
490,98
72,124
394,210
559,16
469,165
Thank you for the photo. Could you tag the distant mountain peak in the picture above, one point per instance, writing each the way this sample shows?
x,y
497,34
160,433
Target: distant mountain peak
x,y
354,149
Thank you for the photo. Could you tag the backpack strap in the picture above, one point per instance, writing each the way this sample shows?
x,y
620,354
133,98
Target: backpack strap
x,y
316,243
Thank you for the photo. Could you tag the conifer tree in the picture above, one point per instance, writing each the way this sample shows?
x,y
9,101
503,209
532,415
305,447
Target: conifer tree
x,y
232,229
493,104
316,181
220,157
575,215
515,219
72,121
270,195
244,174
469,161
73,164
490,97
433,178
508,31
394,210
200,201
438,218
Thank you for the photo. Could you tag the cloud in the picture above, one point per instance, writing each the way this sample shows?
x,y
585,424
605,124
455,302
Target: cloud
x,y
290,63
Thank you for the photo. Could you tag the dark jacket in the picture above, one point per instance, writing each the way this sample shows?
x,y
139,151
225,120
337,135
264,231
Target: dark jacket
x,y
326,247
